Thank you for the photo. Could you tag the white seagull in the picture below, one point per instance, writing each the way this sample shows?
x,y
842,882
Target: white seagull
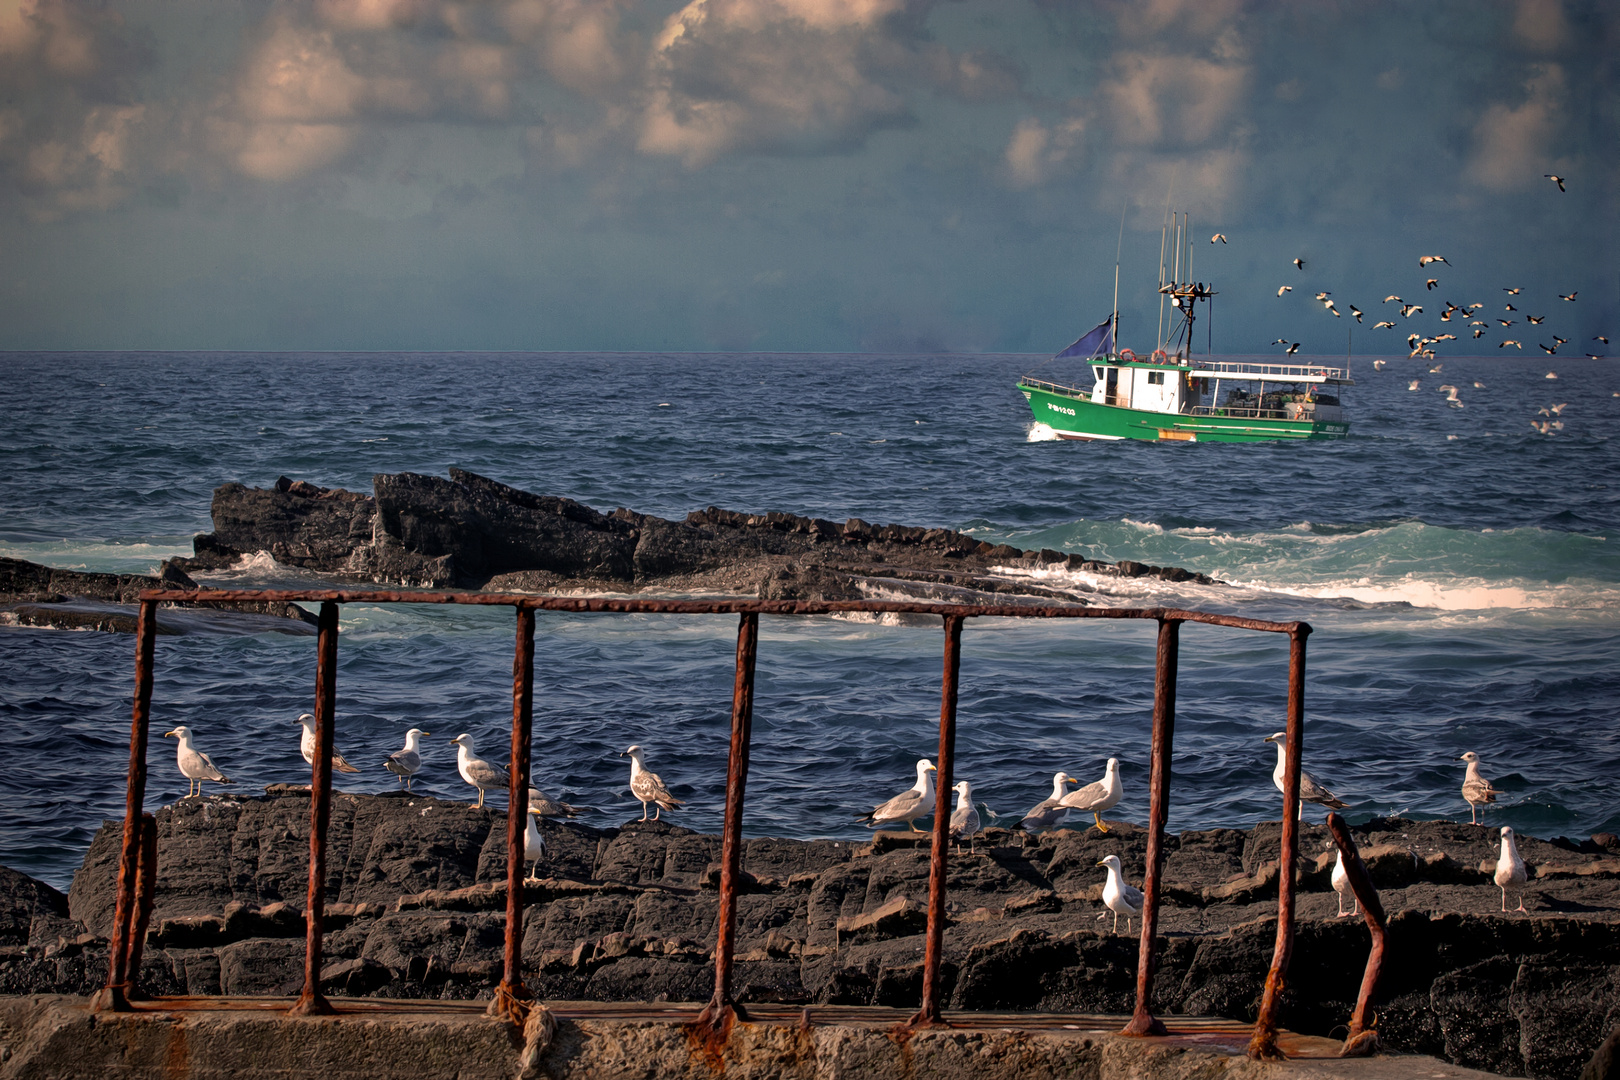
x,y
306,745
1050,812
965,822
407,762
481,774
1341,885
914,802
1510,870
648,787
1425,260
534,845
195,765
1476,790
1309,789
546,806
1097,797
1121,898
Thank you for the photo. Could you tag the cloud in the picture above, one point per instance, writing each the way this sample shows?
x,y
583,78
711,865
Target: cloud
x,y
1170,100
1511,141
1035,151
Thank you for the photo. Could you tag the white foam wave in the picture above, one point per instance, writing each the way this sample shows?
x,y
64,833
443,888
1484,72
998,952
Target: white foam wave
x,y
1459,595
1039,432
105,557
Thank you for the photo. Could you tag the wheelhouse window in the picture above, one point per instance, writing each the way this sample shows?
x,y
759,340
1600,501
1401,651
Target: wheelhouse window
x,y
1156,378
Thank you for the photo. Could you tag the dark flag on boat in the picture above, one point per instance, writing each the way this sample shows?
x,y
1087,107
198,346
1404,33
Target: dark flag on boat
x,y
1098,341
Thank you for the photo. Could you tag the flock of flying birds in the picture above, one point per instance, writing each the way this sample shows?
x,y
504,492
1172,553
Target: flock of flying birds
x,y
967,820
1470,317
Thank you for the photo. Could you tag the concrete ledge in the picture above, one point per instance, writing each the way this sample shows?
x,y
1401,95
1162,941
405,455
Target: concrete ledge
x,y
51,1037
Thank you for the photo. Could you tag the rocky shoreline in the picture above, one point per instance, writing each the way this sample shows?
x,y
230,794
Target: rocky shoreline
x,y
416,909
469,531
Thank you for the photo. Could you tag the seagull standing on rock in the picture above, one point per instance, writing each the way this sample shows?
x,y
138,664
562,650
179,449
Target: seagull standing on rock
x,y
481,774
915,802
648,787
407,762
306,745
1341,885
1120,897
1510,870
1097,797
1050,812
1476,790
534,845
195,765
965,823
1309,789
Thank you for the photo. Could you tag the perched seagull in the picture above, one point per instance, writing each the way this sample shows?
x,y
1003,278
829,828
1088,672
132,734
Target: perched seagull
x,y
1284,288
544,805
1309,789
1431,283
1476,790
1570,297
1511,342
534,845
1356,312
1341,885
1300,263
481,774
407,762
306,745
965,822
1510,869
1218,236
915,802
1102,795
1559,180
1049,813
648,786
1292,349
1425,260
1121,898
195,765
1415,384
1383,326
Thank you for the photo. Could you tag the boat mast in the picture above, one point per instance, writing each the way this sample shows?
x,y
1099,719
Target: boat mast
x,y
1119,246
1163,235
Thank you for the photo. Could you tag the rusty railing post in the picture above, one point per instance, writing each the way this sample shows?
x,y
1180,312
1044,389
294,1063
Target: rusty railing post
x,y
1361,884
1263,1044
511,996
1143,1022
929,1013
145,895
312,1002
714,1014
113,995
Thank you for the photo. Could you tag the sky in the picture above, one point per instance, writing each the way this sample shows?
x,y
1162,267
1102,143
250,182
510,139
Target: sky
x,y
798,175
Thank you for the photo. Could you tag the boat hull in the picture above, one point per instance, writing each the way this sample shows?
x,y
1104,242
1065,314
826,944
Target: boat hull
x,y
1078,417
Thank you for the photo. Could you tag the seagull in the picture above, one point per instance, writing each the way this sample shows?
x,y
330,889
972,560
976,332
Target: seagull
x,y
1378,365
1049,813
1097,797
965,823
1601,338
1408,310
1510,292
1479,386
306,745
1558,410
481,774
1511,342
1300,263
1341,885
1323,295
1559,180
195,765
1476,790
1431,283
1218,236
1570,297
534,845
1553,375
1413,340
1309,789
1329,306
1535,320
1478,334
915,802
1292,349
1392,298
1550,350
1507,322
1510,869
1415,384
648,786
1425,260
1541,426
1121,898
1356,312
1509,307
1383,326
1280,341
407,762
1284,288
544,805
1560,340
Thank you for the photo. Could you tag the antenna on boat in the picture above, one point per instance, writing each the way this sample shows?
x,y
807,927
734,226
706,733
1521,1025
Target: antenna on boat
x,y
1164,233
1119,246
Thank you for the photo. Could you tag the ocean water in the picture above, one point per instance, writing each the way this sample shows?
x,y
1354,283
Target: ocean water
x,y
1461,571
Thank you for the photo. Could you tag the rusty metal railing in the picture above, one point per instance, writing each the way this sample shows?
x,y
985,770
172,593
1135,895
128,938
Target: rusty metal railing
x,y
511,997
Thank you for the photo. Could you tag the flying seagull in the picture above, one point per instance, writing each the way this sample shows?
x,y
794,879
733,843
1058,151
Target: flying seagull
x,y
1218,236
1393,298
1356,312
1292,349
1323,295
1408,310
1601,338
1570,297
1559,180
1300,263
1511,342
1284,288
1431,283
1383,325
1425,260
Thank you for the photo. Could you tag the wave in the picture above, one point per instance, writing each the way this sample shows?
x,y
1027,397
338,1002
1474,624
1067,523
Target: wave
x,y
101,556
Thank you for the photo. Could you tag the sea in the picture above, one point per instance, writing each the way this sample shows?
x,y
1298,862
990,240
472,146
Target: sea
x,y
1460,568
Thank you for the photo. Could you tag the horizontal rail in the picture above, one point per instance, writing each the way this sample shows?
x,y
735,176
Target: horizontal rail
x,y
716,606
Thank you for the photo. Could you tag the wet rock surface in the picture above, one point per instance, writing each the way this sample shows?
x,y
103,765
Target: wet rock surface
x,y
416,900
474,532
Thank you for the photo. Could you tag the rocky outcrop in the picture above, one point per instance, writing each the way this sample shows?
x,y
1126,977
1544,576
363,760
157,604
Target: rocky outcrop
x,y
416,901
36,595
471,531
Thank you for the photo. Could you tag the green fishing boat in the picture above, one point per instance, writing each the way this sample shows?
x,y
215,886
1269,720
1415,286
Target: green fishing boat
x,y
1171,395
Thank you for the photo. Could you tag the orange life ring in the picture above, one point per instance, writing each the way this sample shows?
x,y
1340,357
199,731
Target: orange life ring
x,y
1127,356
1160,356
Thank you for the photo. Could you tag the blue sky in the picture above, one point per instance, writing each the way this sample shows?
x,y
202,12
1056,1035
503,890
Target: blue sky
x,y
816,175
